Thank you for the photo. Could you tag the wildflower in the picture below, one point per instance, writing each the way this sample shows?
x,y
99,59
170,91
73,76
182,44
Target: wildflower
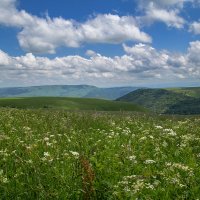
x,y
151,137
169,131
51,136
156,182
4,180
47,157
159,127
49,144
139,185
46,139
164,144
149,161
46,154
133,159
75,154
29,161
181,166
28,147
149,186
143,138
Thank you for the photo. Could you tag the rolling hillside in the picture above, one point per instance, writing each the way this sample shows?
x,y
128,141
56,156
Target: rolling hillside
x,y
189,106
190,91
167,101
87,91
69,104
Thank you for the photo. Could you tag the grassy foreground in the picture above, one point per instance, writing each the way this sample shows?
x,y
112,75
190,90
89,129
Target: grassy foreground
x,y
48,154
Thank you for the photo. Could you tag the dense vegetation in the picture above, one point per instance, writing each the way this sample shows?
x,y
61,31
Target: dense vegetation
x,y
189,91
69,104
66,91
190,107
49,154
173,101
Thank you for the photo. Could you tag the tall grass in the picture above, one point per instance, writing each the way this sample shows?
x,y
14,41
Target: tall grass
x,y
48,154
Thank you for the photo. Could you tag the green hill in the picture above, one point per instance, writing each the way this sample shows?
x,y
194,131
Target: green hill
x,y
87,91
69,104
189,106
167,101
190,91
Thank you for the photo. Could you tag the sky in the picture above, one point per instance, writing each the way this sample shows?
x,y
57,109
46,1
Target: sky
x,y
99,42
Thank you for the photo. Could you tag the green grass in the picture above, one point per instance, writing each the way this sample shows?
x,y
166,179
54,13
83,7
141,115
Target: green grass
x,y
54,154
69,104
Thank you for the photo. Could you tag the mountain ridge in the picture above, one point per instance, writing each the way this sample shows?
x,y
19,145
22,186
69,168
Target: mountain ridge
x,y
84,91
166,101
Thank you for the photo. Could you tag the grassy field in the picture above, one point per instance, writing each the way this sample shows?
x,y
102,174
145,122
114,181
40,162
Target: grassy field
x,y
68,103
49,154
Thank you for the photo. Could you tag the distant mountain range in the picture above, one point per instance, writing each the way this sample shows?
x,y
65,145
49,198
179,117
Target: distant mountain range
x,y
166,101
84,91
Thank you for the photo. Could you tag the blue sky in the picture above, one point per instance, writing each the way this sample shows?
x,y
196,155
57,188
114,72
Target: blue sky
x,y
104,43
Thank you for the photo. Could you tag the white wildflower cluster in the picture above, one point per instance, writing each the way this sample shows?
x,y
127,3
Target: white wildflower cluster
x,y
4,154
47,141
27,130
3,177
113,123
175,180
179,166
158,127
183,122
74,154
126,131
135,184
143,138
165,144
4,137
29,161
187,139
147,162
169,131
133,159
111,134
47,157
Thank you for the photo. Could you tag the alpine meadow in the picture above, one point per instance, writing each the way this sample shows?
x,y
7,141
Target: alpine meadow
x,y
49,154
100,100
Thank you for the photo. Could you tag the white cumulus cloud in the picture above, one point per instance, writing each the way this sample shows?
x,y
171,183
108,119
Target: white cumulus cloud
x,y
169,16
195,27
164,3
140,63
44,35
